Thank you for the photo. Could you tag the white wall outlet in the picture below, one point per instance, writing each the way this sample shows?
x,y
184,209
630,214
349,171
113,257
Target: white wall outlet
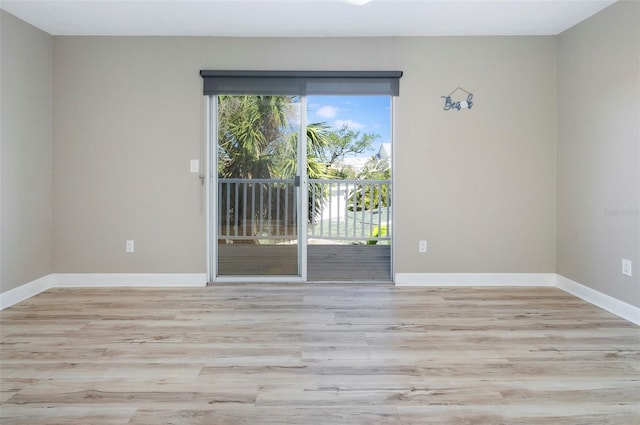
x,y
626,267
129,246
422,246
194,166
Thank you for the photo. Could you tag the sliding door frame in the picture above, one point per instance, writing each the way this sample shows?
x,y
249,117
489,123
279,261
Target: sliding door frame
x,y
211,207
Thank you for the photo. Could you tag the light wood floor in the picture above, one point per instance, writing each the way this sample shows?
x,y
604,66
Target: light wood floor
x,y
309,354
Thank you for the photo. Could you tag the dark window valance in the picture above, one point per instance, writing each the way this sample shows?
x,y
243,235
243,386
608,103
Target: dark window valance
x,y
301,82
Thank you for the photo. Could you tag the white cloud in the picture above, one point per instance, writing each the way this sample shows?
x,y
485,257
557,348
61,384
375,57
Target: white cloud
x,y
349,123
327,111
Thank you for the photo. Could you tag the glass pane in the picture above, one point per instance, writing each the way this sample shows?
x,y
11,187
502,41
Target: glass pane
x,y
257,197
350,199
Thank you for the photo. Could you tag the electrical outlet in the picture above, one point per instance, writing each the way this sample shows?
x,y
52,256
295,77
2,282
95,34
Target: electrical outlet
x,y
129,246
422,246
626,267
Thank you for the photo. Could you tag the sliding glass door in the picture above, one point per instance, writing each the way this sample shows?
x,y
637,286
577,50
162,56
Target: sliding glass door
x,y
258,202
278,186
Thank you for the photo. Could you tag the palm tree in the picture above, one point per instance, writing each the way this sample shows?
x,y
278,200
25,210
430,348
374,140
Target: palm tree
x,y
256,141
250,128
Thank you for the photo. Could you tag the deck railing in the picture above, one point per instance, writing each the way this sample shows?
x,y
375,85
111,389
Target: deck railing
x,y
254,209
350,210
266,209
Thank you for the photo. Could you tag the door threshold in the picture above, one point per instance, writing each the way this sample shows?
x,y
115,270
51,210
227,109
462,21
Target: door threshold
x,y
247,281
252,280
352,282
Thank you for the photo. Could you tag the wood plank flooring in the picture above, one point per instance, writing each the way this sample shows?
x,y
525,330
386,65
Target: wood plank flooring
x,y
317,354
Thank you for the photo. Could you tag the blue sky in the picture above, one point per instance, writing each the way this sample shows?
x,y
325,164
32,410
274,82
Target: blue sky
x,y
366,114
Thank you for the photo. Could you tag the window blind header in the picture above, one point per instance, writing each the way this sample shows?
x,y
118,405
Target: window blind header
x,y
294,83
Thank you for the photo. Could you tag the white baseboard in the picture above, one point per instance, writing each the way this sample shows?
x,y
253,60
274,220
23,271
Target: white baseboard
x,y
100,280
23,292
475,279
148,280
605,302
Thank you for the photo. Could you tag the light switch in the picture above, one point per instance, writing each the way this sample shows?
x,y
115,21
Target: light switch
x,y
194,166
422,246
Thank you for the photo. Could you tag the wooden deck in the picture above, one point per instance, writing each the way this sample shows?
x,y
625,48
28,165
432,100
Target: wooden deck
x,y
316,354
257,260
349,262
324,262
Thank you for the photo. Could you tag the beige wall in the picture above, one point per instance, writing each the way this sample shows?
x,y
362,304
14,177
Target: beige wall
x,y
479,185
25,153
599,151
127,120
